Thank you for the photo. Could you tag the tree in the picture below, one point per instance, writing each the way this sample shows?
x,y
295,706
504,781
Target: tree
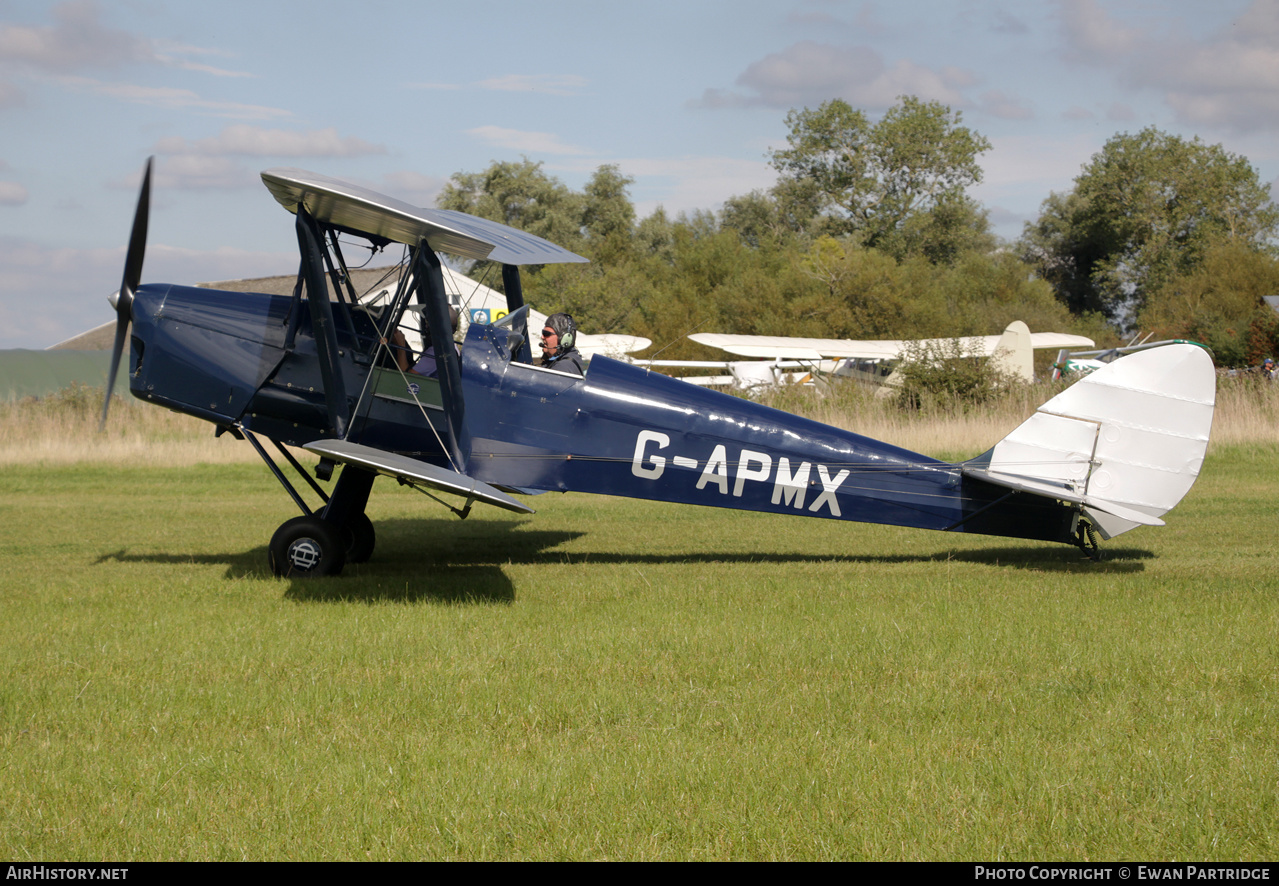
x,y
607,211
1060,252
1220,304
898,184
598,223
1145,210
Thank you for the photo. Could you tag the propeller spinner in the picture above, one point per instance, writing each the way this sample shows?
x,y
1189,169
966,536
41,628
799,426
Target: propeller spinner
x,y
123,301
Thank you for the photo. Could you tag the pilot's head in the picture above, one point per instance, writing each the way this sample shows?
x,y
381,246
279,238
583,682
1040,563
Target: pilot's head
x,y
454,316
559,335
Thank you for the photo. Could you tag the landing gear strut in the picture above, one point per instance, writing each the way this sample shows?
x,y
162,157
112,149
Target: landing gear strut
x,y
360,538
1086,539
321,543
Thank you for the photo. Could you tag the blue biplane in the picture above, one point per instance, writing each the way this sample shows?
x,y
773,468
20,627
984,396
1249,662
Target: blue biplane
x,y
316,370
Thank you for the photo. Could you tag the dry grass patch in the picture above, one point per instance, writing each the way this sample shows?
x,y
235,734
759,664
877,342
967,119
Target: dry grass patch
x,y
63,428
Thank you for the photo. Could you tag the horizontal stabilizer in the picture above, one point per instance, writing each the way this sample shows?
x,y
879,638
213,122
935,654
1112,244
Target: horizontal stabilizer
x,y
414,472
1061,492
1125,443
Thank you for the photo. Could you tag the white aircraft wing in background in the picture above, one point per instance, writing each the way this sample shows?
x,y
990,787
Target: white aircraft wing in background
x,y
788,348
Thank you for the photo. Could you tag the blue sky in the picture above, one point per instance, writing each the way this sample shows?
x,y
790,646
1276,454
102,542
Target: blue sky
x,y
686,97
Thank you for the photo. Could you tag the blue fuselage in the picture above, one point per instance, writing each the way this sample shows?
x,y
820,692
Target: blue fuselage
x,y
249,360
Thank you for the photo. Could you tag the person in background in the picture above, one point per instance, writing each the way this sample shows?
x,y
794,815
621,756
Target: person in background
x,y
427,364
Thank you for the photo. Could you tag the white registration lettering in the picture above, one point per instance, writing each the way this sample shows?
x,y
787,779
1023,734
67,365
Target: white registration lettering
x,y
657,463
828,490
745,472
791,489
716,470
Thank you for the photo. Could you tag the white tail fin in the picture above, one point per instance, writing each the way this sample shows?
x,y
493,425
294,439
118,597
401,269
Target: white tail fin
x,y
1125,443
1014,355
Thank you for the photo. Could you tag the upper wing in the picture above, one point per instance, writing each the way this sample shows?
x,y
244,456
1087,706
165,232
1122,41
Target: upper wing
x,y
360,209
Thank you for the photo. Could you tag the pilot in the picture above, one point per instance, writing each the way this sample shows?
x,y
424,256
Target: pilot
x,y
559,344
427,364
400,350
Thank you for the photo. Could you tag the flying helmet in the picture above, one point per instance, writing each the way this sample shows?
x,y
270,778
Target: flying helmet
x,y
566,328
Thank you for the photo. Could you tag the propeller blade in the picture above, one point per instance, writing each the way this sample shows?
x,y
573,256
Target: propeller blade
x,y
129,284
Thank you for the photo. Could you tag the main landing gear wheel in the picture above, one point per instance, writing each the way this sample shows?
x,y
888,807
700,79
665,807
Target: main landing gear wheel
x,y
360,539
308,547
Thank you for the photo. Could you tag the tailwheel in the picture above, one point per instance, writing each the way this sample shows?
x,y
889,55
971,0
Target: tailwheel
x,y
360,539
1086,539
308,546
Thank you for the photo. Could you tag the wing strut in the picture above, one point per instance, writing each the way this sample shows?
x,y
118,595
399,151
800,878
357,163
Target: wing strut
x,y
429,280
515,301
326,342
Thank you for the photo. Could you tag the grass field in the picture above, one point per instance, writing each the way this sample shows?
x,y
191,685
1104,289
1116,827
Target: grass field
x,y
614,679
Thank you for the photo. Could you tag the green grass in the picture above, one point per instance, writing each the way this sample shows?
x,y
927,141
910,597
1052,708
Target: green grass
x,y
613,679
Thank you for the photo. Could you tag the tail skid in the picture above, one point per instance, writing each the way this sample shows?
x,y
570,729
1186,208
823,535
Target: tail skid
x,y
1124,443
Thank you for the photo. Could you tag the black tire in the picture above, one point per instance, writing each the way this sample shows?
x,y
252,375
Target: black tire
x,y
307,547
360,539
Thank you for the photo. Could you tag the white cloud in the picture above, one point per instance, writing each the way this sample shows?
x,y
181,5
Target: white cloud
x,y
1227,80
10,96
1092,35
413,187
174,54
245,140
1008,107
526,142
441,87
1230,80
687,184
1021,171
12,194
809,73
194,172
552,84
1007,23
1043,162
1120,112
172,98
77,40
177,265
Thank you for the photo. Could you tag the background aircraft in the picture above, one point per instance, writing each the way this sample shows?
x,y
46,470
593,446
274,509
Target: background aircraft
x,y
314,370
1083,362
786,359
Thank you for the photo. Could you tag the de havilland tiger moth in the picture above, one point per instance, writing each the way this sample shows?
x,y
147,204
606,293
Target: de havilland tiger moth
x,y
316,370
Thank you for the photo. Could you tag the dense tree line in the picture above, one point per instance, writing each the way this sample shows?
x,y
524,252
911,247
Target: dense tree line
x,y
870,233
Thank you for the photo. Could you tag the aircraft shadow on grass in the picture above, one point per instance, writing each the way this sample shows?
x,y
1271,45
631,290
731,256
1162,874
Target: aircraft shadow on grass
x,y
450,562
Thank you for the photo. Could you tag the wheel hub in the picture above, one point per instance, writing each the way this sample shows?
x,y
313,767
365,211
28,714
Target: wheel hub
x,y
305,553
